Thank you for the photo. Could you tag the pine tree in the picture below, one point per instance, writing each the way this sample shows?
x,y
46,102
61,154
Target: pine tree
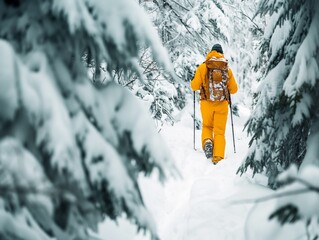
x,y
71,149
285,115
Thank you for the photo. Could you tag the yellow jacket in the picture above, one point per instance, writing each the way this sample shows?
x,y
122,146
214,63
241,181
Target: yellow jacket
x,y
198,83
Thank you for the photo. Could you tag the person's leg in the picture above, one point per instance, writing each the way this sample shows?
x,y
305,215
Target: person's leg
x,y
220,119
207,121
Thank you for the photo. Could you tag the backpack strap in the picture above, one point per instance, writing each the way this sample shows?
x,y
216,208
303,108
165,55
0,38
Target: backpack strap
x,y
226,91
203,94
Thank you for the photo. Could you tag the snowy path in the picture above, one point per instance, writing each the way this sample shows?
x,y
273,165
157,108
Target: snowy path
x,y
200,205
201,201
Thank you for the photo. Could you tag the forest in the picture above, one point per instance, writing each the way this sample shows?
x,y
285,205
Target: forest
x,y
89,91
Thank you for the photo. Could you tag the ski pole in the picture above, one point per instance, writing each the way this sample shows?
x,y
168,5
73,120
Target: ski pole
x,y
194,122
231,118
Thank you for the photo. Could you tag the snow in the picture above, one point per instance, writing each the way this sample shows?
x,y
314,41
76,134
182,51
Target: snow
x,y
73,11
8,82
120,112
278,38
47,112
209,201
110,167
310,177
312,154
117,24
303,108
120,13
11,226
305,68
269,90
271,23
20,169
265,229
193,21
273,87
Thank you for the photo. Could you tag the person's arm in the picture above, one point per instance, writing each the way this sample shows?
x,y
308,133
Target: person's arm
x,y
232,84
197,81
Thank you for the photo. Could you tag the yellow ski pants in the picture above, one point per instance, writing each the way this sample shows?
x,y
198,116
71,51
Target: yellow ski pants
x,y
214,118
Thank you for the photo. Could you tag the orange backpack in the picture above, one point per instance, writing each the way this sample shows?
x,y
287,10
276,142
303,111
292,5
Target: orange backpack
x,y
217,79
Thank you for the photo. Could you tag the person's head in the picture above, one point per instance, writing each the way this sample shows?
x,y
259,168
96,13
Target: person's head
x,y
218,48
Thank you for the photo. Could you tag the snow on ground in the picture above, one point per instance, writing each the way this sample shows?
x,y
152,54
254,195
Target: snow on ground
x,y
202,205
202,208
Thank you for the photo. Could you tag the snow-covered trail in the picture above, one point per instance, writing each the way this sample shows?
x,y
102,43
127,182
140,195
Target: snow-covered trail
x,y
201,207
198,206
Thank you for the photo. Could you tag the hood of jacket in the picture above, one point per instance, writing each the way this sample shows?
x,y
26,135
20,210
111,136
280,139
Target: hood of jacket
x,y
214,54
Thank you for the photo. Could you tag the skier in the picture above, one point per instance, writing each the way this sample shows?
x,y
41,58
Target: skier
x,y
216,81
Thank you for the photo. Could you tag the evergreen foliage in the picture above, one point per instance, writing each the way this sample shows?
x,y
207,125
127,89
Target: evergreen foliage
x,y
285,110
71,149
